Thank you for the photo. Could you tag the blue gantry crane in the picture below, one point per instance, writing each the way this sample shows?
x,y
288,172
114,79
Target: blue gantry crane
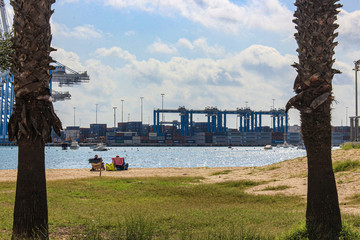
x,y
250,120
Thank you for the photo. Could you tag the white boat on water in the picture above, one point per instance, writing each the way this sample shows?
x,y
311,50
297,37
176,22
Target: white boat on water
x,y
268,147
74,145
93,146
285,145
100,147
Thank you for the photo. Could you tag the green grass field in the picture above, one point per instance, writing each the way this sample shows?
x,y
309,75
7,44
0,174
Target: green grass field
x,y
162,208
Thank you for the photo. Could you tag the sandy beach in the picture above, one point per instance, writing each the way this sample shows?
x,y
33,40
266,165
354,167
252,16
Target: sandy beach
x,y
291,173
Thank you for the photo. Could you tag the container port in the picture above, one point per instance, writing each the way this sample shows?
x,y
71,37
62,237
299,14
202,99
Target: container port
x,y
197,133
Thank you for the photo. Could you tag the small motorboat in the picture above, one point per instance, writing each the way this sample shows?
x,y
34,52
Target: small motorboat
x,y
74,145
93,146
100,147
285,145
268,147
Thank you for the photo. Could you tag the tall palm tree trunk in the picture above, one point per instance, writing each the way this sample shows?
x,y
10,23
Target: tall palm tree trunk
x,y
33,118
314,21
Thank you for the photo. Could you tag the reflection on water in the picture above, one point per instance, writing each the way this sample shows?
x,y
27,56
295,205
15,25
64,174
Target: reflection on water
x,y
159,157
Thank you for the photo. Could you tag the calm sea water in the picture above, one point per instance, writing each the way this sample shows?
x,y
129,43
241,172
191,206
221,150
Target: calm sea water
x,y
159,157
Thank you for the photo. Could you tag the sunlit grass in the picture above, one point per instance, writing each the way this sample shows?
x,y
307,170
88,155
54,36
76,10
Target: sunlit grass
x,y
276,188
350,145
160,208
346,165
221,172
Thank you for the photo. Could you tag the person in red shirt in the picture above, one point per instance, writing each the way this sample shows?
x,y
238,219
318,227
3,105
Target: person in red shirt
x,y
119,163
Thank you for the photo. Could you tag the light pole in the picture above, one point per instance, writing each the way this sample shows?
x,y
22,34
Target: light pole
x,y
74,115
346,117
114,116
273,103
162,106
96,113
246,104
122,110
356,69
141,98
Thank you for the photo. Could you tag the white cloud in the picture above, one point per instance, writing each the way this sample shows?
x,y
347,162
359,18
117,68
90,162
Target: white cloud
x,y
203,46
86,31
183,42
159,47
263,55
199,45
116,52
70,59
268,15
349,24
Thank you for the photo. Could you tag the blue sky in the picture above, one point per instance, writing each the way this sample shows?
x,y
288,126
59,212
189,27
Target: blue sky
x,y
198,53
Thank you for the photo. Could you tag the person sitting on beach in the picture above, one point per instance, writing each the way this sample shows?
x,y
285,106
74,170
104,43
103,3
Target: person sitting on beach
x,y
119,163
95,160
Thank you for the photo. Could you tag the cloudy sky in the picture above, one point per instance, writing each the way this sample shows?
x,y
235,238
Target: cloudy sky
x,y
199,53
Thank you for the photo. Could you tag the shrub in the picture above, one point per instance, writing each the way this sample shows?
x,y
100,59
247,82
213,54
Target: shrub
x,y
276,188
346,165
350,145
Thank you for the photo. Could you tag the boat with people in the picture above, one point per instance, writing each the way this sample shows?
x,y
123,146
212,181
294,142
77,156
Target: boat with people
x,y
74,145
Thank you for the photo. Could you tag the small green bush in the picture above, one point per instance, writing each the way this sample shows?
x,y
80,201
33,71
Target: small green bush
x,y
276,188
350,145
300,233
346,165
221,172
348,233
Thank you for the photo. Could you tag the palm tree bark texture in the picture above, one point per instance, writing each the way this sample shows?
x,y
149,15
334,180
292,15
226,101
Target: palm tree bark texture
x,y
33,117
315,23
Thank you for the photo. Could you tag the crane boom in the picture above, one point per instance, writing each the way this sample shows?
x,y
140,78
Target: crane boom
x,y
65,76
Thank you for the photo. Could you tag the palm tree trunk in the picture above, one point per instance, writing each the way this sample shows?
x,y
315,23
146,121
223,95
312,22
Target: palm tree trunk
x,y
30,211
315,22
33,117
323,219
